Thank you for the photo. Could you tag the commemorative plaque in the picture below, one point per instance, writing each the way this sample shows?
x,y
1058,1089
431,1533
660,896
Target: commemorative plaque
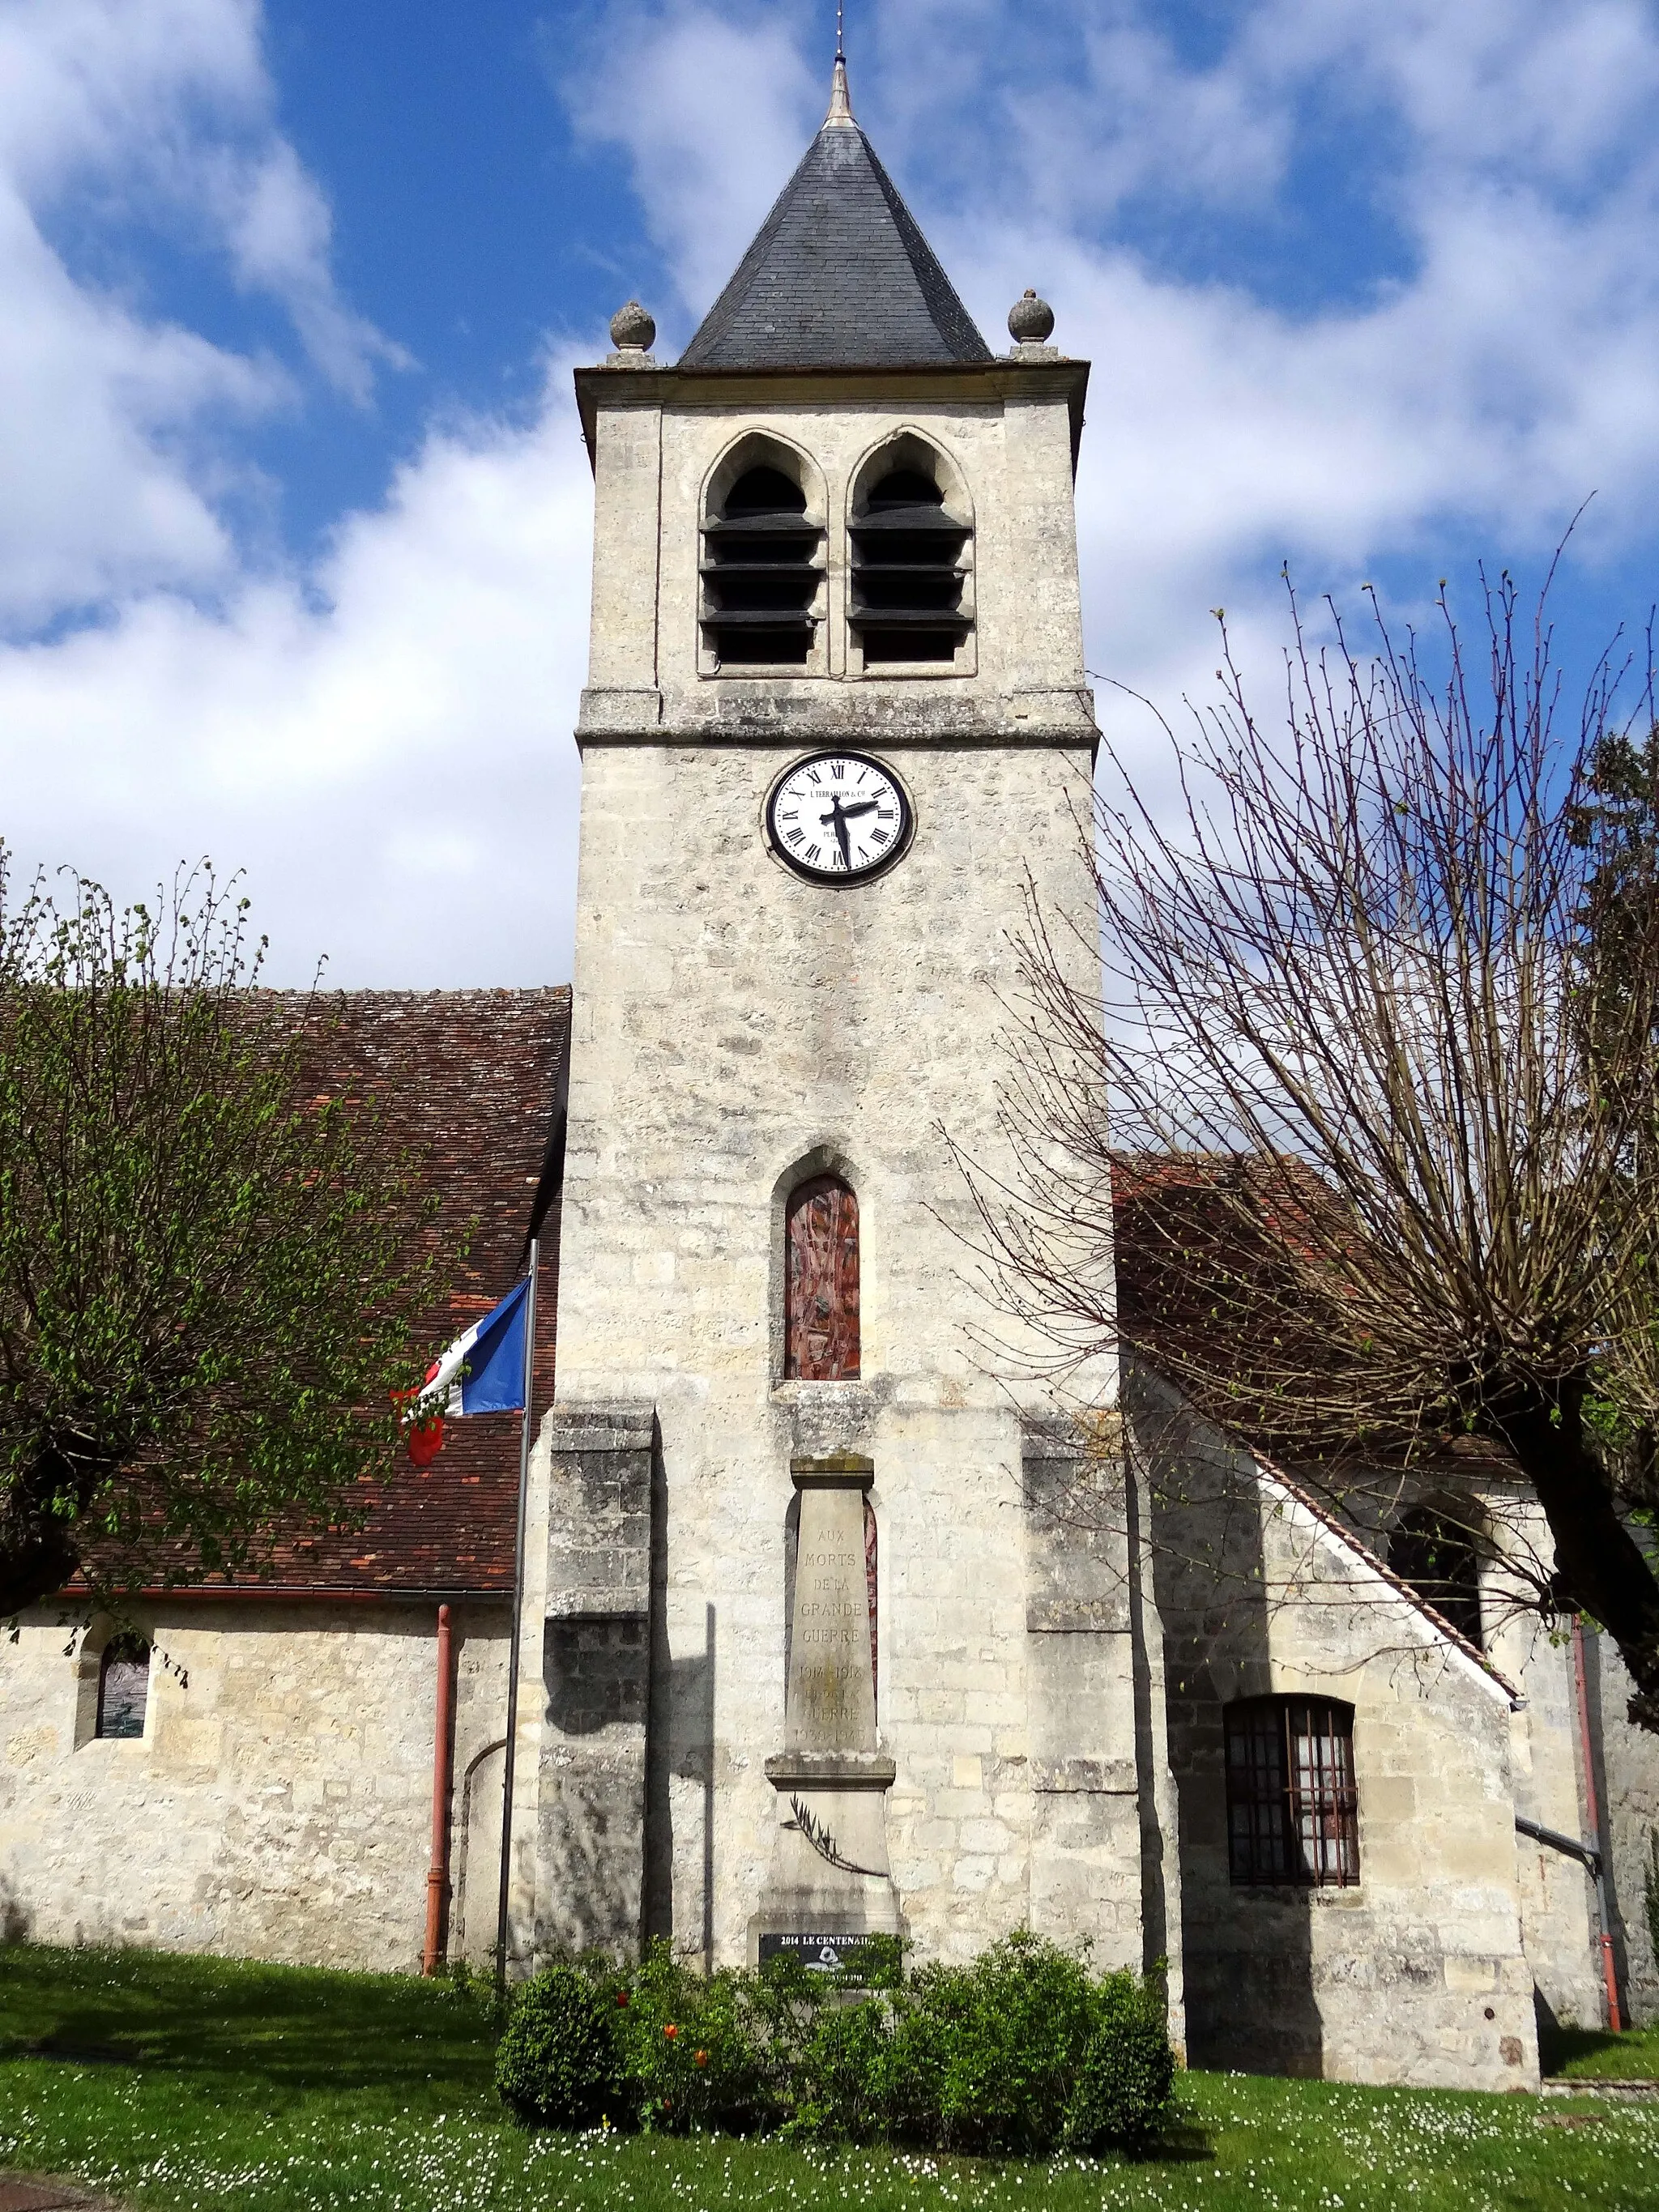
x,y
855,1958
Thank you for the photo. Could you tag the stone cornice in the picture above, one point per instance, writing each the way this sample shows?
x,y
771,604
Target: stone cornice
x,y
759,391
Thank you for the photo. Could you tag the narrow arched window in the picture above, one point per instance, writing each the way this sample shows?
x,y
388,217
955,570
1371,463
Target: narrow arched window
x,y
908,568
1436,1557
761,571
123,1687
821,1282
1292,1807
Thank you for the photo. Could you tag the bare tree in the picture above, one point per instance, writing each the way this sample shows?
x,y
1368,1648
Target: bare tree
x,y
1376,1057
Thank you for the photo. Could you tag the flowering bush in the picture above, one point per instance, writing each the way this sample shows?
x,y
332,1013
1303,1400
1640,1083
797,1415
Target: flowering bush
x,y
691,2056
1025,2050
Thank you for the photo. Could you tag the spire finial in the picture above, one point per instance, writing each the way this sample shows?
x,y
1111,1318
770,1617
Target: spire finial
x,y
841,107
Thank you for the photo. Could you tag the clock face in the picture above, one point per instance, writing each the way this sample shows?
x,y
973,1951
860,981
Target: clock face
x,y
838,816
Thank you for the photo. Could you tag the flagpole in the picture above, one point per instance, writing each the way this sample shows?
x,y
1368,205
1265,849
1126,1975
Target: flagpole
x,y
517,1622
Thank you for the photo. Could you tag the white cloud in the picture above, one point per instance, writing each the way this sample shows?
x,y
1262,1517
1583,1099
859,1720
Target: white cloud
x,y
278,228
384,743
386,751
714,109
155,115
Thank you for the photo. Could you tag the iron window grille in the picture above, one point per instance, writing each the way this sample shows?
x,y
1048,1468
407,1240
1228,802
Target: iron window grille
x,y
1292,1807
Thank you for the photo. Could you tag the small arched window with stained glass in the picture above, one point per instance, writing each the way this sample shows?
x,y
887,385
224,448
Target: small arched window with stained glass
x,y
122,1688
821,1282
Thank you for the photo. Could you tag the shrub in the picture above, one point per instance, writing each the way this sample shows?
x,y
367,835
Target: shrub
x,y
986,2057
839,2076
691,2056
558,2062
1024,2051
1123,2094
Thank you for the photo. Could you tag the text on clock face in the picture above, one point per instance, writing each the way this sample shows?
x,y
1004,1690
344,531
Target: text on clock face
x,y
838,815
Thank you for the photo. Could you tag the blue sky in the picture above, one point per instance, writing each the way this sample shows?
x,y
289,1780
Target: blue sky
x,y
293,511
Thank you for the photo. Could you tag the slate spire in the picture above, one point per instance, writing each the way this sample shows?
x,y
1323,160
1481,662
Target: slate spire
x,y
839,275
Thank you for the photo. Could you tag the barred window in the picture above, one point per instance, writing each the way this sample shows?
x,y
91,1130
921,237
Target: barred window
x,y
123,1687
1292,1810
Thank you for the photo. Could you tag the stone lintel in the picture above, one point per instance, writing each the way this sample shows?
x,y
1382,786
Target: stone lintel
x,y
839,1471
835,1769
1107,1778
575,1614
1107,1615
624,1426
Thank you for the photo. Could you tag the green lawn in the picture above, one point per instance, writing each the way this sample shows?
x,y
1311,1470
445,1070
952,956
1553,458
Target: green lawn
x,y
1581,2055
184,2082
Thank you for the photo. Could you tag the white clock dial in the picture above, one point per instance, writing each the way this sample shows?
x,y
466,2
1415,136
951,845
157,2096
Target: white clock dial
x,y
838,816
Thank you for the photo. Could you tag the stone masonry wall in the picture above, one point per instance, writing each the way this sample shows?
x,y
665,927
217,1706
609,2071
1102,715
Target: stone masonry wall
x,y
1085,1844
279,1803
1417,1974
736,1028
597,1682
1628,1785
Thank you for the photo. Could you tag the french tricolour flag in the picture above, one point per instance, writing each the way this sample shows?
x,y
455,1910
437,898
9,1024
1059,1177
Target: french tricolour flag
x,y
482,1372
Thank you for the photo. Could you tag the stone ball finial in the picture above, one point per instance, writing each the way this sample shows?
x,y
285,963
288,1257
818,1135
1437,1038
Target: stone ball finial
x,y
1030,320
632,331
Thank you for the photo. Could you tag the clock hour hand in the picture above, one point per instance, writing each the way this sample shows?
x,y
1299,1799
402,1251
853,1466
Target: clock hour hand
x,y
838,822
863,806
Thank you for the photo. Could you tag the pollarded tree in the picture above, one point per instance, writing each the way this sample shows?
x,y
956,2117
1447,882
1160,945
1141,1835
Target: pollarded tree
x,y
210,1276
1368,1100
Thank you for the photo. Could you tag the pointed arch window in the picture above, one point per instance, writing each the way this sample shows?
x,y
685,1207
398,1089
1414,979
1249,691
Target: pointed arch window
x,y
761,571
821,1282
909,567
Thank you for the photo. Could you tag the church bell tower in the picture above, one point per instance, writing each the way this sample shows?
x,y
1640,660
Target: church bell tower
x,y
809,1653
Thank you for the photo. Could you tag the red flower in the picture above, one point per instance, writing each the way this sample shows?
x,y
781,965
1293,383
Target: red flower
x,y
703,2058
670,2031
622,1997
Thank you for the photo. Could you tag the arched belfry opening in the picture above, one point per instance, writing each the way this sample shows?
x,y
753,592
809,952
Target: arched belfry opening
x,y
762,564
821,1282
912,558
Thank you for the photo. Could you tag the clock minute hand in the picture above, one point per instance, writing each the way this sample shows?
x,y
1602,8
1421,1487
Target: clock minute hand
x,y
837,823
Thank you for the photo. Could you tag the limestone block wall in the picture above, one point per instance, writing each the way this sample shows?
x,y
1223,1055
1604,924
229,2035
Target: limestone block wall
x,y
1558,1899
279,1803
1098,1724
1005,436
1417,1974
1628,1785
737,1028
596,1681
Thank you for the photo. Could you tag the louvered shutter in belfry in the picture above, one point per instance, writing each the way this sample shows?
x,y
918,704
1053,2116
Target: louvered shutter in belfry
x,y
822,1315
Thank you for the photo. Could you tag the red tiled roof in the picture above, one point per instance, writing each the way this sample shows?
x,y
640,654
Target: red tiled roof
x,y
465,1081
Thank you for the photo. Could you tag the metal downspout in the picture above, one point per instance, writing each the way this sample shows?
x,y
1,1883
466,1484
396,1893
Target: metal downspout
x,y
437,1880
1609,1970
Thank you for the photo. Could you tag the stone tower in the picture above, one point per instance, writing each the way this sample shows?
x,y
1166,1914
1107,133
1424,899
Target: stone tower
x,y
809,1653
